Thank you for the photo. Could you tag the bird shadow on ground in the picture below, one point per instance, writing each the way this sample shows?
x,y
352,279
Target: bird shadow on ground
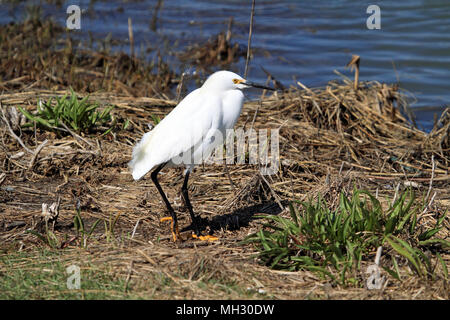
x,y
239,218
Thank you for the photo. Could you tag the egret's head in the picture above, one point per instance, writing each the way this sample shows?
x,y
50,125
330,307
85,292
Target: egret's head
x,y
240,83
227,80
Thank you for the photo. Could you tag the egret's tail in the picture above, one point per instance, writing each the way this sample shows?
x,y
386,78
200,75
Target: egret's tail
x,y
140,164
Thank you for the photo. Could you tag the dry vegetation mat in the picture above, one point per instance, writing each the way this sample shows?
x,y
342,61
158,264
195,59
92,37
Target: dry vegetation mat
x,y
354,176
332,140
41,54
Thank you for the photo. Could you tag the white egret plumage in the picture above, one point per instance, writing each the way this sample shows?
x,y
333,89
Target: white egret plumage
x,y
189,132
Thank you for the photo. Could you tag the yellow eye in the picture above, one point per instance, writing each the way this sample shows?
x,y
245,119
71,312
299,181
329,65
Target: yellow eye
x,y
236,81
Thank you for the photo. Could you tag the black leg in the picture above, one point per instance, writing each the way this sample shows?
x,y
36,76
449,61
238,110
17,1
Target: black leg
x,y
187,202
154,176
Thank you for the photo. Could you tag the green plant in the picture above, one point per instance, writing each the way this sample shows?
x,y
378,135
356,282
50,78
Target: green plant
x,y
41,274
49,238
334,243
110,227
156,119
79,226
79,115
125,124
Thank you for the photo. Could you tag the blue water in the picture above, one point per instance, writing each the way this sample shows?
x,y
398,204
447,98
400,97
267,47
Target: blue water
x,y
293,40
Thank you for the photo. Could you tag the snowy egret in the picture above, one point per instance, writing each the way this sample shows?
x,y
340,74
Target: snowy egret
x,y
189,132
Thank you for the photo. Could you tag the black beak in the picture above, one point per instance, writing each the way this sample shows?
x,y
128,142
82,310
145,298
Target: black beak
x,y
256,85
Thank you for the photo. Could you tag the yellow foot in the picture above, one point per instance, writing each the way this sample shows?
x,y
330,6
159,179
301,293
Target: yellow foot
x,y
205,238
175,233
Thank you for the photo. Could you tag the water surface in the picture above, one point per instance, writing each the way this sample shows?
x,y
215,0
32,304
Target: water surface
x,y
293,40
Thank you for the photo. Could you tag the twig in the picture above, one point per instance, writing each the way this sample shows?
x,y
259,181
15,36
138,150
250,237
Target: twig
x,y
135,227
2,177
254,115
230,24
354,64
263,93
227,172
180,87
155,15
130,36
429,204
277,199
340,169
142,253
130,270
76,136
396,193
36,152
310,291
14,224
12,132
378,255
276,83
432,177
249,39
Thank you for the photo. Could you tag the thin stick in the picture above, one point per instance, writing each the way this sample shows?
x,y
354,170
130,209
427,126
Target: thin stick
x,y
12,132
378,255
249,39
277,199
130,36
227,172
254,116
36,152
147,258
340,169
429,203
135,227
230,24
155,15
76,136
354,64
180,87
396,193
432,177
130,270
355,85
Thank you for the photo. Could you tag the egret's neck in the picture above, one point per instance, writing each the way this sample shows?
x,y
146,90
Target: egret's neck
x,y
232,105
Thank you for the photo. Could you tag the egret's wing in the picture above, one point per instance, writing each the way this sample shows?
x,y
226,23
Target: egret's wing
x,y
231,109
184,127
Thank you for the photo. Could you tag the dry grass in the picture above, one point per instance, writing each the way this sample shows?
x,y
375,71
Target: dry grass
x,y
330,139
37,54
219,50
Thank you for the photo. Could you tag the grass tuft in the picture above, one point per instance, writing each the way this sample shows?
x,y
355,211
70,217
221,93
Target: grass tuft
x,y
336,243
78,115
